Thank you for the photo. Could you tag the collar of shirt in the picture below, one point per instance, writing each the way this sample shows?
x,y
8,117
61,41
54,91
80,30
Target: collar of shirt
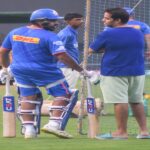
x,y
72,29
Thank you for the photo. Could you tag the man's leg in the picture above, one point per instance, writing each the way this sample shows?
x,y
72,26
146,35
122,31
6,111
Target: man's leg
x,y
59,115
60,110
136,89
28,119
29,110
138,111
71,77
121,114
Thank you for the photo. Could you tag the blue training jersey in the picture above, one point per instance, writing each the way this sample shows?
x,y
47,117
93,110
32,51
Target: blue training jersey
x,y
124,51
33,52
143,27
68,35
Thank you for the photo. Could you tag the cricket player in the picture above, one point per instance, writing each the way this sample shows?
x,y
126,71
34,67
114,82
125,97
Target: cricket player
x,y
143,27
69,37
35,51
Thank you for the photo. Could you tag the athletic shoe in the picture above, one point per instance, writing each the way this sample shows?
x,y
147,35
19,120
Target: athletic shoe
x,y
59,133
30,133
143,136
108,136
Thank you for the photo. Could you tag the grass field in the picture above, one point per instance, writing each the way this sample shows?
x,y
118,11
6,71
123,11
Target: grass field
x,y
79,142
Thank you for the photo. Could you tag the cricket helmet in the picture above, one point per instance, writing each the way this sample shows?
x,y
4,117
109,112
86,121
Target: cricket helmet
x,y
129,10
45,13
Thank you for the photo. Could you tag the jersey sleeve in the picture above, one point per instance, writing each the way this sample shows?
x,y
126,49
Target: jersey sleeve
x,y
99,42
56,46
65,37
145,28
7,42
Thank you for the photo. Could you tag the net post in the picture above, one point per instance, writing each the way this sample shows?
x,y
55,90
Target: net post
x,y
85,58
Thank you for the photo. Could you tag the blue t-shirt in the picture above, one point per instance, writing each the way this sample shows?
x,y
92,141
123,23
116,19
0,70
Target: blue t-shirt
x,y
33,53
124,51
68,35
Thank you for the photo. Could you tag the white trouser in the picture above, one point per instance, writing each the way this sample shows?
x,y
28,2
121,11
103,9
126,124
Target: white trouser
x,y
71,76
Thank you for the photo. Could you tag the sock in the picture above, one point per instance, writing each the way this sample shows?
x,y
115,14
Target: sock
x,y
54,124
29,127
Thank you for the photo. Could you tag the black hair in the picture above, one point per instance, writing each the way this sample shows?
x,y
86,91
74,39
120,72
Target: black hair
x,y
44,23
118,13
70,16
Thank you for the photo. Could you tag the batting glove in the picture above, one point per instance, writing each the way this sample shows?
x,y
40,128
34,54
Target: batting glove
x,y
92,75
85,73
94,78
4,73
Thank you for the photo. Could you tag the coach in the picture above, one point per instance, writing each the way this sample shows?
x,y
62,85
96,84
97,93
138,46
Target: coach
x,y
122,69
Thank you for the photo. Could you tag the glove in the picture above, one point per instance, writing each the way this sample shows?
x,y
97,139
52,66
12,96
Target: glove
x,y
92,75
4,73
85,73
9,72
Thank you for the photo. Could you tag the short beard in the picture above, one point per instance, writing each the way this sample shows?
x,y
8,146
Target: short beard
x,y
49,28
110,26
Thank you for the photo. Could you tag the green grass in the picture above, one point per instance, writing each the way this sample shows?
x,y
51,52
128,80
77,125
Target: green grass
x,y
79,142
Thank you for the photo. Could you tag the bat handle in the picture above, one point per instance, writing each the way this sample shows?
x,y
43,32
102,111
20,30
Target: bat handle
x,y
7,86
89,89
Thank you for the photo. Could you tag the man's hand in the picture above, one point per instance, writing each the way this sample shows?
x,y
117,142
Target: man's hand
x,y
4,73
85,73
147,55
93,76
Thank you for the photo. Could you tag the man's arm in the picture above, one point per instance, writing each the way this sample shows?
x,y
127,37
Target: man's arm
x,y
4,62
90,51
4,57
147,39
66,59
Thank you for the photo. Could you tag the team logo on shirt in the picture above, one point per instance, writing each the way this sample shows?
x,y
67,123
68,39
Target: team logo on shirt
x,y
135,26
76,45
58,43
26,39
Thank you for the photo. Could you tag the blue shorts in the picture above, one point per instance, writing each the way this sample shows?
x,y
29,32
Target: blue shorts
x,y
36,77
29,81
61,89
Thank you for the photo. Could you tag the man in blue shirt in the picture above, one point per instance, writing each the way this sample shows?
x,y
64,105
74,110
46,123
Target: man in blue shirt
x,y
122,70
144,28
35,51
69,37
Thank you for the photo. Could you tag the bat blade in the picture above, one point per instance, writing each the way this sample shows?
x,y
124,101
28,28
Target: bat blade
x,y
93,120
9,117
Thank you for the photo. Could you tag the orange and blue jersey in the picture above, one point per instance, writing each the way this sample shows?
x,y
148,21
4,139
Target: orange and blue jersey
x,y
143,27
33,52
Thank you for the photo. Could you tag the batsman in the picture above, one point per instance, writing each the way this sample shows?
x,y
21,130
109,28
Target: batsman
x,y
35,51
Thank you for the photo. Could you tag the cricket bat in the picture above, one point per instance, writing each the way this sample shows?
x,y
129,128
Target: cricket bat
x,y
9,116
93,118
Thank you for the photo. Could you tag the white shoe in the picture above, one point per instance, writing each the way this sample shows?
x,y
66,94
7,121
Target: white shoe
x,y
52,130
30,133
